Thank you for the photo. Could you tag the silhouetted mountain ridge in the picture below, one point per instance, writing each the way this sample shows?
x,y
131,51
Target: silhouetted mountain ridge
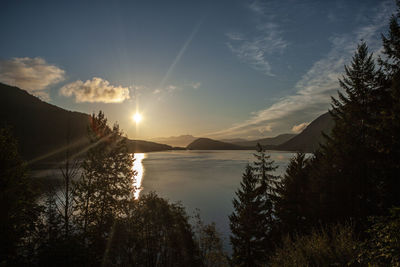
x,y
310,138
43,129
180,141
306,141
210,144
269,141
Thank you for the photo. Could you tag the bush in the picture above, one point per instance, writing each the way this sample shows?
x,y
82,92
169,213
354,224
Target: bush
x,y
331,246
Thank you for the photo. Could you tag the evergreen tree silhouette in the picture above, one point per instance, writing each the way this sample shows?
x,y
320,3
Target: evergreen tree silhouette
x,y
247,222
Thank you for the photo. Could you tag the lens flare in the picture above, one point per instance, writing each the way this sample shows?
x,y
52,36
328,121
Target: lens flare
x,y
137,117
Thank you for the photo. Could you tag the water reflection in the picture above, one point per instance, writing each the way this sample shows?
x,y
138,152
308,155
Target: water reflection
x,y
138,167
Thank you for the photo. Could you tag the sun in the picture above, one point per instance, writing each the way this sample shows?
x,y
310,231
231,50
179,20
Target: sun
x,y
137,117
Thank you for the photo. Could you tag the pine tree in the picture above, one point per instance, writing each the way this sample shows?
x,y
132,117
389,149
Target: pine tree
x,y
391,45
263,168
247,223
343,171
388,128
292,196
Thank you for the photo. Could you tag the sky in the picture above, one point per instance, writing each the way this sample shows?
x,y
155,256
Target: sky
x,y
219,69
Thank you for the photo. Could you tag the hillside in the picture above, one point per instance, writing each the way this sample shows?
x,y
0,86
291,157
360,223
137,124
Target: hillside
x,y
42,128
310,138
270,141
210,144
140,146
176,141
234,140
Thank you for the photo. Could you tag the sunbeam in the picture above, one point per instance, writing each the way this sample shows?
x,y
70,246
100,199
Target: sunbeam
x,y
181,52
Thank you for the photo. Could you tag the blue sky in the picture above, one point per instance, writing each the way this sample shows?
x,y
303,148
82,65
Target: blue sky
x,y
220,69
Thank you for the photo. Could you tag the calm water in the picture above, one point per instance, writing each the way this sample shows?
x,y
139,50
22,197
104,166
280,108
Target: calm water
x,y
206,180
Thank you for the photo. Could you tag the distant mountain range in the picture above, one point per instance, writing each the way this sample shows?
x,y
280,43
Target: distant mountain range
x,y
306,141
42,129
234,140
269,141
210,144
176,141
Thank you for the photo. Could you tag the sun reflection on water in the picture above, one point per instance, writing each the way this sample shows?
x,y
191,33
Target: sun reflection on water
x,y
138,167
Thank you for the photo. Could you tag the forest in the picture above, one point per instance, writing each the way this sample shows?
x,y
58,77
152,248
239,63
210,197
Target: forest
x,y
339,206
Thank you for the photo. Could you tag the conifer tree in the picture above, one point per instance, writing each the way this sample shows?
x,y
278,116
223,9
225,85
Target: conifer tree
x,y
388,128
263,168
247,222
292,196
343,171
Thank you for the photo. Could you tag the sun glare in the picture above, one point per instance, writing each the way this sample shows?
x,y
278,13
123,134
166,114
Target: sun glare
x,y
137,117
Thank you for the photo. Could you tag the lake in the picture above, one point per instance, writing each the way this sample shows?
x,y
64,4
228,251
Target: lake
x,y
199,179
205,180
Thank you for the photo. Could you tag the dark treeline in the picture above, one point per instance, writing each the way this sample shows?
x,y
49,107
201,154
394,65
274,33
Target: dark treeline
x,y
93,219
338,206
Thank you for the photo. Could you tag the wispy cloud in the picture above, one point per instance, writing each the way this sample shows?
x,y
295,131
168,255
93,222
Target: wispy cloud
x,y
256,50
314,89
167,89
32,74
195,85
95,90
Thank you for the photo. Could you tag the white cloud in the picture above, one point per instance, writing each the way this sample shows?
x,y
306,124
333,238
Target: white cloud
x,y
265,129
95,90
195,85
32,74
256,50
314,89
257,7
300,127
236,36
157,91
171,88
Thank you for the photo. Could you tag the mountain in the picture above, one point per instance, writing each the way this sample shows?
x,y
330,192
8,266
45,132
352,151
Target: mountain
x,y
177,141
269,141
210,144
140,146
307,141
42,129
234,140
310,138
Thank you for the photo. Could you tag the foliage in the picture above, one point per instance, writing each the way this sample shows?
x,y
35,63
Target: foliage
x,y
382,247
263,167
155,233
253,218
210,244
291,205
247,222
105,189
18,206
330,246
344,173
